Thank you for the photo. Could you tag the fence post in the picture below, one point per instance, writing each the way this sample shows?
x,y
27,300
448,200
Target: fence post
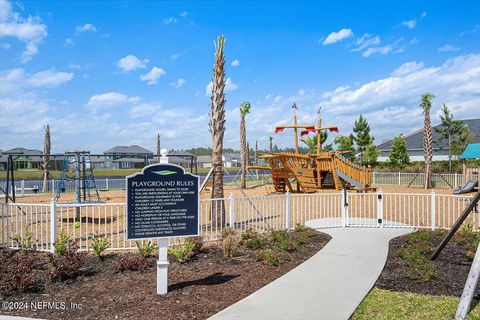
x,y
432,208
374,177
399,178
380,208
456,180
53,186
106,183
53,223
344,208
287,211
22,186
232,211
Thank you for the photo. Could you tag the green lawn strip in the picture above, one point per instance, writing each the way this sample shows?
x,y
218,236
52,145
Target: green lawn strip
x,y
385,304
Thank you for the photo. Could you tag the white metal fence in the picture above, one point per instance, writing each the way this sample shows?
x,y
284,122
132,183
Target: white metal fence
x,y
439,180
261,213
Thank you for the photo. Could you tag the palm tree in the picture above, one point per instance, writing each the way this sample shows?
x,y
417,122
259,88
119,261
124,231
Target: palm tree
x,y
217,123
158,148
311,142
426,105
46,159
244,109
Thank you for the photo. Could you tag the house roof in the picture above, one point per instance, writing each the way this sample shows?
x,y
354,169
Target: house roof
x,y
135,160
472,151
27,152
178,160
128,150
415,139
204,159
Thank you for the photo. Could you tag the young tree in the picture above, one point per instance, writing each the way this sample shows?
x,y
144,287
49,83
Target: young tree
x,y
345,143
398,157
465,137
158,148
371,155
244,109
311,142
46,157
450,130
361,137
217,123
426,105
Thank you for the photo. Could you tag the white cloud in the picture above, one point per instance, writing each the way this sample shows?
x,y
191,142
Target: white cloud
x,y
131,63
448,48
30,30
179,83
414,40
229,86
153,75
367,40
377,50
175,56
409,24
5,45
235,63
87,27
423,15
169,20
408,67
301,92
109,99
49,78
69,42
337,36
183,14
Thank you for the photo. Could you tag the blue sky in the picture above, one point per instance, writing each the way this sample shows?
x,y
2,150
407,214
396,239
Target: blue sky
x,y
116,73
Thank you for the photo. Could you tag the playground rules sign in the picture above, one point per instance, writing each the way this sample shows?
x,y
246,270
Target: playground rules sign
x,y
162,202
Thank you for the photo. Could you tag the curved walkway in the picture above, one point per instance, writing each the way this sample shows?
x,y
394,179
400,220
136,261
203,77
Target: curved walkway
x,y
330,285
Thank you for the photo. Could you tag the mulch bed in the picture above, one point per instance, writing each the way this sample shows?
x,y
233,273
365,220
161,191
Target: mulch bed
x,y
197,289
453,266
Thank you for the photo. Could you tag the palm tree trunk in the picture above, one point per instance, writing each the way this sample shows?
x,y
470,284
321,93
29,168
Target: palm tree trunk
x,y
243,152
217,130
428,151
46,159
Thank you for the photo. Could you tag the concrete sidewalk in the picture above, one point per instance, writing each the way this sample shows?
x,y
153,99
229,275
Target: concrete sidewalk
x,y
330,285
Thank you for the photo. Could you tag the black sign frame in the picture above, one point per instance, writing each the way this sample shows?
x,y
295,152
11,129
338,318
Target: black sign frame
x,y
167,171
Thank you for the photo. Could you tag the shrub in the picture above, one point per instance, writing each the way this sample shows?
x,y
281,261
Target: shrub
x,y
197,241
130,262
145,248
183,252
269,256
230,242
16,272
288,244
24,242
249,234
301,228
99,243
61,244
415,254
67,265
280,235
255,244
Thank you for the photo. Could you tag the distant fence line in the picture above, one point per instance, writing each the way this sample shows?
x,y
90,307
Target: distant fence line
x,y
259,213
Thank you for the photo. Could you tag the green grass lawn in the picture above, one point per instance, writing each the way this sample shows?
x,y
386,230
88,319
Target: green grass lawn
x,y
385,304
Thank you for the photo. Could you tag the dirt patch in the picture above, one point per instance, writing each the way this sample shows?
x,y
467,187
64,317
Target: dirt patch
x,y
197,289
452,268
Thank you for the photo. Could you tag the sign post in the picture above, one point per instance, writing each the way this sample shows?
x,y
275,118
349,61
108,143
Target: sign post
x,y
162,203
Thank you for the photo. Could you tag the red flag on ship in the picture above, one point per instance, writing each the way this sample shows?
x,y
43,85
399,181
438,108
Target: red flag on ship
x,y
334,129
278,129
307,131
294,106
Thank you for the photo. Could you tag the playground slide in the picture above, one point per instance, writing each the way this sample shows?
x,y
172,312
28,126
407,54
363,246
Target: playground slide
x,y
351,173
468,187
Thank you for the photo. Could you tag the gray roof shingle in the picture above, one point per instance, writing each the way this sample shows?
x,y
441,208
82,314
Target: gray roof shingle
x,y
415,139
128,150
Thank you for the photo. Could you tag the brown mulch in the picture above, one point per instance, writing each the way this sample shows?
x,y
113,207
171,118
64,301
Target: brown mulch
x,y
453,266
197,289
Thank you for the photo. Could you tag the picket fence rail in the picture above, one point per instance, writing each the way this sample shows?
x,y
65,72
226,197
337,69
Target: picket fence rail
x,y
260,213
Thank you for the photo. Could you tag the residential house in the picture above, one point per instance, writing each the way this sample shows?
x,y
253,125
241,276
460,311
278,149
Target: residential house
x,y
127,157
415,143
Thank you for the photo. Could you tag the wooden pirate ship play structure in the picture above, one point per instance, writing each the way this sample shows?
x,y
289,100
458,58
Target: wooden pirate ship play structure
x,y
308,173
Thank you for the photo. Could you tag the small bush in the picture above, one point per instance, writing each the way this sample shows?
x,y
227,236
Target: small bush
x,y
183,252
99,243
67,265
288,244
130,262
280,235
269,256
60,246
249,234
24,242
230,242
198,242
255,244
301,228
145,248
16,270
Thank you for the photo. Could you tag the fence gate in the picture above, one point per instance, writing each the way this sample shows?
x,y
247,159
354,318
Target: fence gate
x,y
362,209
